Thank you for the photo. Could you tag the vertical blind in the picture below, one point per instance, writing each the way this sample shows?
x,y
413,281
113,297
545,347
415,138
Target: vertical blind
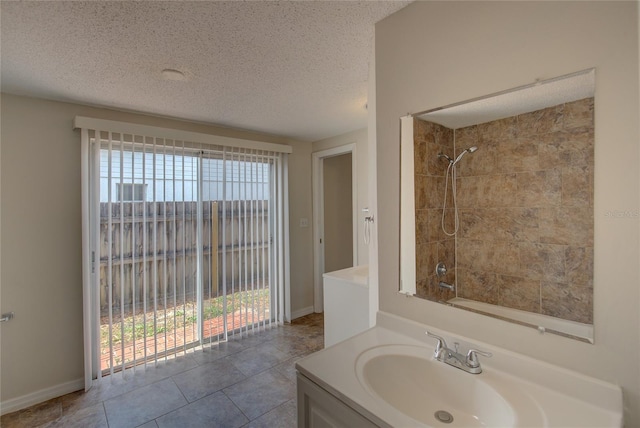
x,y
184,245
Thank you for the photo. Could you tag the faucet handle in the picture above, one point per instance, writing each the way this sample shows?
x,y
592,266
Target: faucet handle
x,y
441,343
472,357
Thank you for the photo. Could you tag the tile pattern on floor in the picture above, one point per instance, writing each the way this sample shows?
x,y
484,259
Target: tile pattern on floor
x,y
245,382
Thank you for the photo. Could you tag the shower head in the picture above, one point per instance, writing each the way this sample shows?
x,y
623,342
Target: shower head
x,y
469,150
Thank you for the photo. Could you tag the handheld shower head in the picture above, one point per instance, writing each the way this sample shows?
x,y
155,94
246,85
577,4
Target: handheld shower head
x,y
469,150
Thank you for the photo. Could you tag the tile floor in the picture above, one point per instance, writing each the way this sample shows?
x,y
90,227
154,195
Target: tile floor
x,y
248,382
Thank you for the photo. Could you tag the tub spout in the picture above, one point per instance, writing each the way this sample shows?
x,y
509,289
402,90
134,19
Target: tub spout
x,y
443,284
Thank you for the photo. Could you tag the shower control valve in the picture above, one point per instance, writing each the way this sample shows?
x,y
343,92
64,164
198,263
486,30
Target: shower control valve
x,y
441,270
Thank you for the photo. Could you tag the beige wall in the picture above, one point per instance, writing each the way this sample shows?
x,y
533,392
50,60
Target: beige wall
x,y
360,139
338,212
432,54
41,274
300,238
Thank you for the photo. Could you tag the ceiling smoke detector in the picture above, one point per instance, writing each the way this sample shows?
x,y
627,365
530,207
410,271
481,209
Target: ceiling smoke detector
x,y
173,74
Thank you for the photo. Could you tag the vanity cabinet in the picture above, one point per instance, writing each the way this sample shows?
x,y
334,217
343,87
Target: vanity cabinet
x,y
317,408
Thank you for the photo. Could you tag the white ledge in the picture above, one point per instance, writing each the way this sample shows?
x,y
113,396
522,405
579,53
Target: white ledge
x,y
543,323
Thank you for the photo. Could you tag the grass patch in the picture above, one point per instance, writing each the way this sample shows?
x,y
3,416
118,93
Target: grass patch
x,y
184,315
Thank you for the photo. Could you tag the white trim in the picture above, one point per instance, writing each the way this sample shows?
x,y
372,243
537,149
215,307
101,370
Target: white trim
x,y
37,397
540,322
90,277
302,312
354,202
95,276
317,159
279,256
286,242
408,209
86,256
175,134
318,231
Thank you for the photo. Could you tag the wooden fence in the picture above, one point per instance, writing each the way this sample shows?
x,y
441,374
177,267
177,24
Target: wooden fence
x,y
234,232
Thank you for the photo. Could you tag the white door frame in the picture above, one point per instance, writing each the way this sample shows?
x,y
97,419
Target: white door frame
x,y
317,160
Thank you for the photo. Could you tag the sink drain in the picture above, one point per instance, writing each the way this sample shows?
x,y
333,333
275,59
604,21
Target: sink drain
x,y
444,416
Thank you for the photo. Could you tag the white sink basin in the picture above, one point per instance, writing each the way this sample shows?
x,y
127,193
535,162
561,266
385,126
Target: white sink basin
x,y
388,375
408,379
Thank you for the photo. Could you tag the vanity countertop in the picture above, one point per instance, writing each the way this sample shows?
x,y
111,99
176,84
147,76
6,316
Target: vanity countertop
x,y
562,397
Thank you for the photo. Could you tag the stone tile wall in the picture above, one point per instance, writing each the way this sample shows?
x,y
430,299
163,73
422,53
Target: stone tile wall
x,y
525,200
432,245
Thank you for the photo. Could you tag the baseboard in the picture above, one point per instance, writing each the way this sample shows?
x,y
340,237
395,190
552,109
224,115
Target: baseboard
x,y
37,397
302,312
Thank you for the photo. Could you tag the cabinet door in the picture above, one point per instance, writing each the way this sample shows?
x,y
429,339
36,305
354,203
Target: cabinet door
x,y
319,409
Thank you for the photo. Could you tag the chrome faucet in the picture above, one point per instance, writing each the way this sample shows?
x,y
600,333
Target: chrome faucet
x,y
469,363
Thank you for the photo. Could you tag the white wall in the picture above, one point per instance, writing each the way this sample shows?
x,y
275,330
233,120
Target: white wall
x,y
373,187
359,138
437,53
41,277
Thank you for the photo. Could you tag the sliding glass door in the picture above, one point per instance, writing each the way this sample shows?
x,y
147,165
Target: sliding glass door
x,y
186,245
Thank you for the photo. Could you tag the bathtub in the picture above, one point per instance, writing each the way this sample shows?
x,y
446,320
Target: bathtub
x,y
346,303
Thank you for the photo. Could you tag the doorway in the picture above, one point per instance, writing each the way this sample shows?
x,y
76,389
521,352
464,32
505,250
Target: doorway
x,y
335,228
338,212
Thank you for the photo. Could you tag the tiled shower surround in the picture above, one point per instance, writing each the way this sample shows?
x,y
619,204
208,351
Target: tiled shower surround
x,y
525,201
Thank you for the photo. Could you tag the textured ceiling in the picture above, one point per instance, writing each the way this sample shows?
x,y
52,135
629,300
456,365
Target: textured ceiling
x,y
292,68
